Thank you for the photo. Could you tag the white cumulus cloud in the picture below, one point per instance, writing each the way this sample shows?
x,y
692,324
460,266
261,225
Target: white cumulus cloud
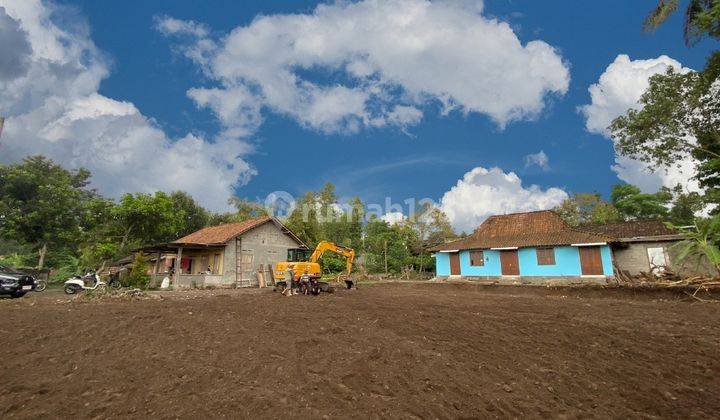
x,y
375,63
485,192
393,217
539,159
49,94
618,90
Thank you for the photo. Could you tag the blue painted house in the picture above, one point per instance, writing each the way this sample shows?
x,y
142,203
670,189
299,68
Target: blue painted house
x,y
531,247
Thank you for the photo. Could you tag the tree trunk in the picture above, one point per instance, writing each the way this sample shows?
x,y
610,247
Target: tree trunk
x,y
125,239
102,267
42,253
385,249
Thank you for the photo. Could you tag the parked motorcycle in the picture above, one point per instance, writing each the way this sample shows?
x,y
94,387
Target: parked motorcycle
x,y
76,284
40,285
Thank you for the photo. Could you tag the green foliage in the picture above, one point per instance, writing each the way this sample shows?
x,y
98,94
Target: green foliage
x,y
633,204
702,243
432,226
384,240
679,117
355,223
303,220
585,208
15,260
146,219
44,205
138,276
191,217
246,209
684,207
67,266
317,216
702,18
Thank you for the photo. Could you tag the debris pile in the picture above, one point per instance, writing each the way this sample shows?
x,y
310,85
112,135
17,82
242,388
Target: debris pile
x,y
105,294
664,277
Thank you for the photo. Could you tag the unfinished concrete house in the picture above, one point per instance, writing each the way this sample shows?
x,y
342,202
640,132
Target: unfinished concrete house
x,y
229,255
648,245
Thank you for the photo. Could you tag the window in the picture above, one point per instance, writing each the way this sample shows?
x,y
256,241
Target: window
x,y
657,260
545,256
477,258
216,264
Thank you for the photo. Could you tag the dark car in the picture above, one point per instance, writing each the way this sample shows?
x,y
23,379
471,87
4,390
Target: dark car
x,y
14,283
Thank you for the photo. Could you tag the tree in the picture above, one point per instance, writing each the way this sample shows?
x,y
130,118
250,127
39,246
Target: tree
x,y
303,220
44,205
680,112
632,204
191,216
431,225
702,17
355,224
145,219
679,117
386,244
685,206
246,209
584,208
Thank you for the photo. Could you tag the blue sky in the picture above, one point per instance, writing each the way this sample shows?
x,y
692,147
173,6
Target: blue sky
x,y
149,69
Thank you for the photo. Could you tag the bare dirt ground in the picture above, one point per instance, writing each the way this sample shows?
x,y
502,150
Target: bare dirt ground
x,y
391,350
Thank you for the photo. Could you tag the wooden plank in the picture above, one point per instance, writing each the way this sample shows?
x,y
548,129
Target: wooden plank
x,y
178,268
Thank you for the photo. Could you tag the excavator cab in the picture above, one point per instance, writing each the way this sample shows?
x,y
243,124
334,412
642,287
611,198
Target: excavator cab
x,y
298,255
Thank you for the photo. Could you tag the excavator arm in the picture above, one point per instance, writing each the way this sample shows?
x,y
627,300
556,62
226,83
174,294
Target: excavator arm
x,y
324,246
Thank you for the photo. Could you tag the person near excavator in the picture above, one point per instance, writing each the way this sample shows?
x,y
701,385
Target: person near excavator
x,y
305,282
289,281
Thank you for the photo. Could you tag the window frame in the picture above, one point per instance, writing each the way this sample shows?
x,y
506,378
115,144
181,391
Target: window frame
x,y
545,255
482,258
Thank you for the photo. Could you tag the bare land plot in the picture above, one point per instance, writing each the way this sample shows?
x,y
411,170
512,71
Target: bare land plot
x,y
388,350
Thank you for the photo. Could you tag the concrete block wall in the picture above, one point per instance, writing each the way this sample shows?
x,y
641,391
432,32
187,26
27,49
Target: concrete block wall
x,y
229,263
268,245
634,259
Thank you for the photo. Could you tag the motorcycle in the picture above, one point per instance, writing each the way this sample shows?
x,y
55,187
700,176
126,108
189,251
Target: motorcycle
x,y
40,285
76,283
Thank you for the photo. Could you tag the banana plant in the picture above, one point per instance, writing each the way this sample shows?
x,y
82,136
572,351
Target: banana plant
x,y
702,243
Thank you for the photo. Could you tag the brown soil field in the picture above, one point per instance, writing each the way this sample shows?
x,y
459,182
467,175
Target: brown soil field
x,y
383,351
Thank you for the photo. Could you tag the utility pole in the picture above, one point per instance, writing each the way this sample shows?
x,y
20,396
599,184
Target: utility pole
x,y
2,123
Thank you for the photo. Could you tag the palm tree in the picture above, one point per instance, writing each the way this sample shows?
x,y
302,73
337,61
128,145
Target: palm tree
x,y
702,17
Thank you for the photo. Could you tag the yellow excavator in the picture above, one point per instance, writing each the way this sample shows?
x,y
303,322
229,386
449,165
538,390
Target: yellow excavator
x,y
300,263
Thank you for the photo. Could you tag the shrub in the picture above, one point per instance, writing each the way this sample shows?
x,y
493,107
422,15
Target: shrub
x,y
138,276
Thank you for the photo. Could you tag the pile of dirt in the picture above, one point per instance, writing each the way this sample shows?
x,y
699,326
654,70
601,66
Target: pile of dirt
x,y
396,350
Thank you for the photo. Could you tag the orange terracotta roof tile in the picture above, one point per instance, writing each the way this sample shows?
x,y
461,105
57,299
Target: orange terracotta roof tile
x,y
220,234
537,228
632,229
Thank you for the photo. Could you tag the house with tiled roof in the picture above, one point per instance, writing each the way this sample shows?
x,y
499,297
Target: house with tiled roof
x,y
532,247
229,255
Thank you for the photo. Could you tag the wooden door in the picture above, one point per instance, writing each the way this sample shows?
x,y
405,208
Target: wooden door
x,y
454,264
509,263
590,261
